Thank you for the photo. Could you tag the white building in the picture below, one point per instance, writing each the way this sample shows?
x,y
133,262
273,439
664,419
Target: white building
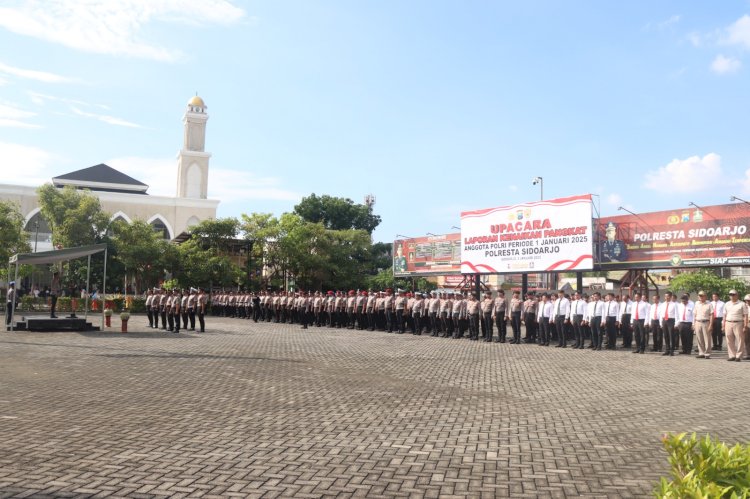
x,y
127,198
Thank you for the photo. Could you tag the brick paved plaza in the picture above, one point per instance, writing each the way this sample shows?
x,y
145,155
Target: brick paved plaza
x,y
268,410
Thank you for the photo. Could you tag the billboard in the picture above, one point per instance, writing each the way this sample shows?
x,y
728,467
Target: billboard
x,y
428,255
553,235
707,236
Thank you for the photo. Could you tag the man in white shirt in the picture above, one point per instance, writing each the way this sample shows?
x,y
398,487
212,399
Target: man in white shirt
x,y
561,316
626,316
718,317
611,320
575,316
654,321
668,314
594,313
685,323
545,313
640,315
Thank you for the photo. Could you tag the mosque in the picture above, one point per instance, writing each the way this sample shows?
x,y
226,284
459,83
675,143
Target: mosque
x,y
126,198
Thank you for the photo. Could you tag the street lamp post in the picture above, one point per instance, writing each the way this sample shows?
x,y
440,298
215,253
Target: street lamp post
x,y
540,181
525,277
735,198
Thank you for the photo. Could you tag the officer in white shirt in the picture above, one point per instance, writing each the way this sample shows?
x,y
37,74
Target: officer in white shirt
x,y
654,321
611,320
718,317
545,314
561,314
685,323
594,313
626,316
668,315
575,316
640,315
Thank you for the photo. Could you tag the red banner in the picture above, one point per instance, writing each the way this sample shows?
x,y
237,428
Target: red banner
x,y
428,255
709,236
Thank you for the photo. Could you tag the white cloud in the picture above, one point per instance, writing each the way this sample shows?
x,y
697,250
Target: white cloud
x,y
686,175
224,184
115,26
614,199
14,117
725,65
42,99
513,188
32,74
668,23
105,118
738,33
35,163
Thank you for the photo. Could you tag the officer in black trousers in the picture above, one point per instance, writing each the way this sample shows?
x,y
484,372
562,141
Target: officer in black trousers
x,y
626,314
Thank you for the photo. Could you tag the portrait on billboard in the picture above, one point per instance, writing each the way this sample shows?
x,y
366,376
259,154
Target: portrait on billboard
x,y
612,249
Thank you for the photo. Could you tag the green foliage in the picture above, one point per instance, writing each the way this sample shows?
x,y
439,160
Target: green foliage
x,y
337,213
141,251
75,217
706,280
13,239
385,279
203,259
705,468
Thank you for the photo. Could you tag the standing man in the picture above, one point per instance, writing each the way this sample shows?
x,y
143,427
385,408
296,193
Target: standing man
x,y
576,315
529,317
655,324
735,322
501,316
163,308
400,305
149,313
545,311
54,291
561,315
685,321
457,315
10,302
434,307
516,309
703,325
487,305
626,315
611,321
718,318
594,313
472,310
668,319
640,312
416,313
191,302
200,304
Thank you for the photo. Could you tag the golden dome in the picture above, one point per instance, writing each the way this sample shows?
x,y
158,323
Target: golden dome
x,y
196,101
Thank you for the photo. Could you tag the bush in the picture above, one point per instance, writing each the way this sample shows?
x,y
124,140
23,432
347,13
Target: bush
x,y
703,468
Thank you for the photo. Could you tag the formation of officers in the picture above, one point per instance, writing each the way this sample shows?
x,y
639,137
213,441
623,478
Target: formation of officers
x,y
173,306
666,323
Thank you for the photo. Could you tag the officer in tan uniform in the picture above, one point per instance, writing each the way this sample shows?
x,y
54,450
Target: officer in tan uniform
x,y
703,315
500,316
735,322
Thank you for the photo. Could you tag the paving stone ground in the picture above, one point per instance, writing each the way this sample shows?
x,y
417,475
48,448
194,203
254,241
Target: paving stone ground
x,y
268,410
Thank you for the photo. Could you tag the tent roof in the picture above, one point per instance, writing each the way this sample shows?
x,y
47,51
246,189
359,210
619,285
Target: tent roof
x,y
47,257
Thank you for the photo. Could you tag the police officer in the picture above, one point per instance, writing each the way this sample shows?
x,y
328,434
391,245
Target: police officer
x,y
640,315
149,313
500,316
577,312
200,304
10,302
612,249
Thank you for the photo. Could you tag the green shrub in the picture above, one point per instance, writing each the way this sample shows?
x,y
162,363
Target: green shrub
x,y
705,468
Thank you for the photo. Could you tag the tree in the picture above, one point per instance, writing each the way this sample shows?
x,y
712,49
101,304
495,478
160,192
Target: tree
x,y
75,217
204,259
708,281
337,213
142,251
13,239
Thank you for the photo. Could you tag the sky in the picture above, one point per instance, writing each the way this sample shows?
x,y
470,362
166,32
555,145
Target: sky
x,y
434,107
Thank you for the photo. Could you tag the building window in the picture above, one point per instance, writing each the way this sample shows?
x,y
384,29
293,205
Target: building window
x,y
161,228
